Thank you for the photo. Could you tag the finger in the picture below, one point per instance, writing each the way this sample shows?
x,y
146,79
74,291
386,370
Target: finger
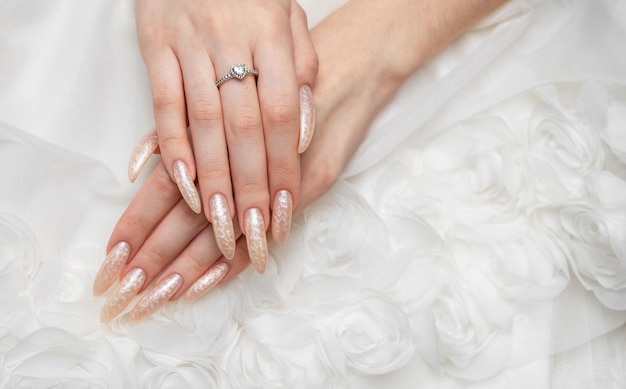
x,y
304,54
248,165
211,153
306,64
165,242
195,272
154,200
278,97
171,122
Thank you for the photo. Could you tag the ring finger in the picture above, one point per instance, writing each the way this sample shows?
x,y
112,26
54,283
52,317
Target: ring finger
x,y
248,164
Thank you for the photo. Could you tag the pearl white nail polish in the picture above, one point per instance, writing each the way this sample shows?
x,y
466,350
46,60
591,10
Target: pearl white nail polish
x,y
157,297
208,281
222,225
307,118
281,216
255,237
111,267
127,289
142,153
186,186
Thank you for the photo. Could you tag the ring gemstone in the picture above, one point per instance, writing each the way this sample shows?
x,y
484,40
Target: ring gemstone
x,y
239,71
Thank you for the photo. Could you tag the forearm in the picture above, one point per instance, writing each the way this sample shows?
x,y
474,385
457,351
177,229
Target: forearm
x,y
367,49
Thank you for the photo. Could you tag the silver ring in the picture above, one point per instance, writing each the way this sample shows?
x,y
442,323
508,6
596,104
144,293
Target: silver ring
x,y
238,71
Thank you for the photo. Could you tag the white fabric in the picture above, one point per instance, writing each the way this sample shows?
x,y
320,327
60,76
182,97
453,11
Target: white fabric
x,y
476,240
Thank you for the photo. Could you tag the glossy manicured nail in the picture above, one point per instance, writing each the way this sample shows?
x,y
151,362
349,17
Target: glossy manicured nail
x,y
142,153
222,225
186,186
281,216
307,118
255,237
208,281
111,267
127,289
157,297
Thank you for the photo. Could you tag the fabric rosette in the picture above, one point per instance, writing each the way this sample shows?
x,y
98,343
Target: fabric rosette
x,y
466,331
362,330
595,233
163,371
52,357
342,233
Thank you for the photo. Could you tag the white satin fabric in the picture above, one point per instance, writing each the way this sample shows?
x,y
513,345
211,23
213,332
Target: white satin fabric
x,y
476,240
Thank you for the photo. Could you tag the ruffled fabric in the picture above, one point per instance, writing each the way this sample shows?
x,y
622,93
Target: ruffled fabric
x,y
476,240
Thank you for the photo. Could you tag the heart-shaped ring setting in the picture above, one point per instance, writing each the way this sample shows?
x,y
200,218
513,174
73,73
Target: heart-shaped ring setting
x,y
238,71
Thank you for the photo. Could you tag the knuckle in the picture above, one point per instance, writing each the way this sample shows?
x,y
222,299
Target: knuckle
x,y
133,225
212,172
205,115
171,141
194,264
274,16
325,174
154,255
246,123
285,172
165,97
254,190
281,112
311,64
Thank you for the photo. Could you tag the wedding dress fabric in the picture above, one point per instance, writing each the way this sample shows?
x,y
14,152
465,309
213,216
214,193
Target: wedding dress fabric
x,y
476,240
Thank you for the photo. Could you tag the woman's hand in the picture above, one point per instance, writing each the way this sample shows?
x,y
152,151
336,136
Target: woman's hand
x,y
167,242
240,140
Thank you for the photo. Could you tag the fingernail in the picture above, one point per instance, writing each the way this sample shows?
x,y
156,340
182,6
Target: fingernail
x,y
128,288
255,236
111,268
186,186
222,225
207,281
142,153
281,216
307,118
157,297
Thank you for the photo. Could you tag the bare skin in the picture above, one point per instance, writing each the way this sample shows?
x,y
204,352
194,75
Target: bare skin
x,y
359,72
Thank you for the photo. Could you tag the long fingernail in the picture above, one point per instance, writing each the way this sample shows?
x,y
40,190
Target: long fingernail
x,y
142,153
111,268
186,186
255,236
157,297
207,281
307,118
222,225
281,216
128,288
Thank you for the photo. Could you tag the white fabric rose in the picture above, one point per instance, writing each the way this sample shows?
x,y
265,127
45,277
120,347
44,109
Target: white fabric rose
x,y
373,335
52,357
251,364
596,238
466,331
562,151
20,261
468,182
166,372
341,231
532,269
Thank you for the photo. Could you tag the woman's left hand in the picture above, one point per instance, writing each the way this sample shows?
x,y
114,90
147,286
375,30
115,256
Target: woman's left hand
x,y
239,140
